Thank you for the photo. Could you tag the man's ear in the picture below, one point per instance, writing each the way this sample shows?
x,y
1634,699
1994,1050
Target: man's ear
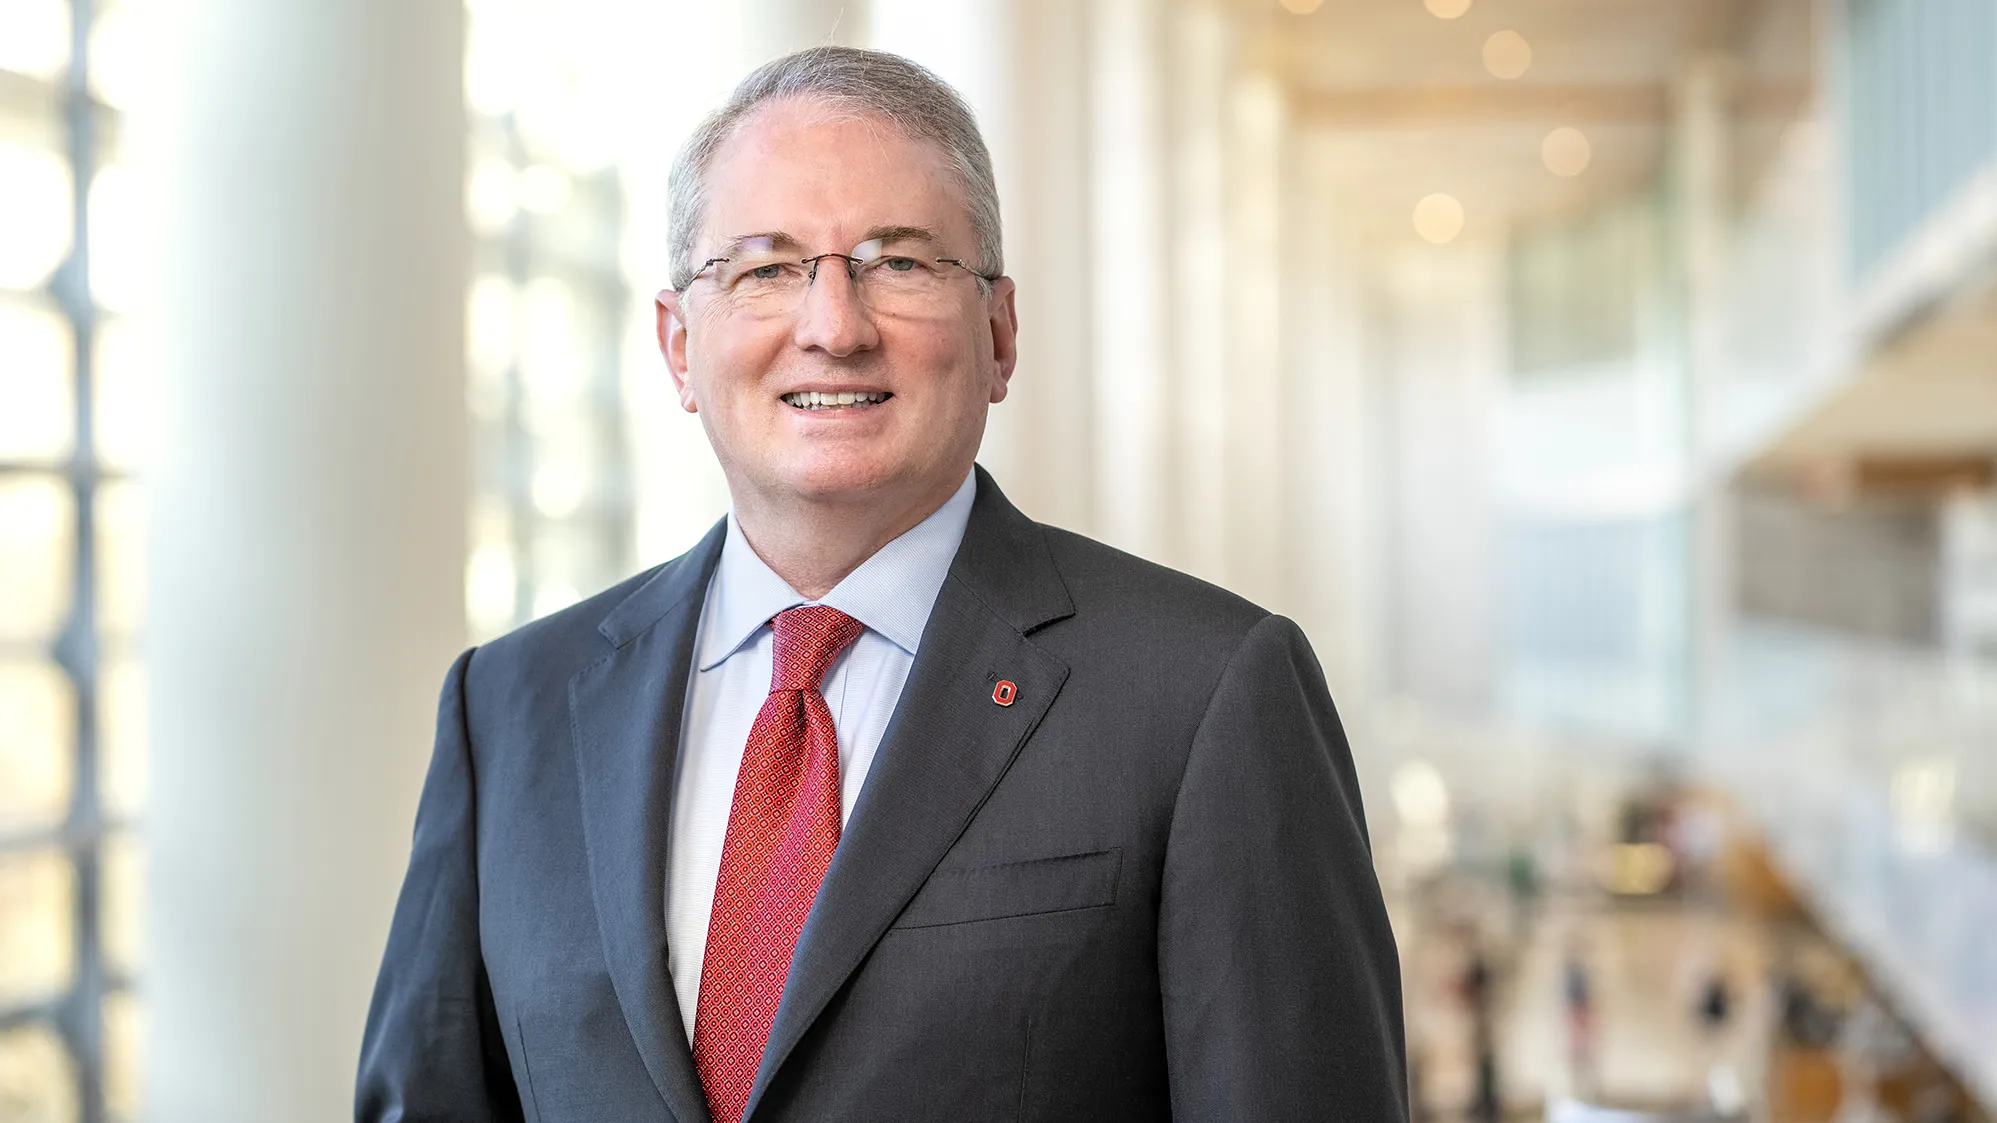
x,y
671,314
1005,335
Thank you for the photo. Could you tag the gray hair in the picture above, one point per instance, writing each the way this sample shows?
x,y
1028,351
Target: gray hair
x,y
907,95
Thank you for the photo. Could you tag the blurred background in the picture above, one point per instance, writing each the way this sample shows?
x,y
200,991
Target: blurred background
x,y
1609,387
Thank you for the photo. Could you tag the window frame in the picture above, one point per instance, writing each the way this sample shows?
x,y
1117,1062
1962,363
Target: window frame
x,y
76,1012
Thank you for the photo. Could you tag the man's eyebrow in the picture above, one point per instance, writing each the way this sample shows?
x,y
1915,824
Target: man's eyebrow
x,y
902,234
768,241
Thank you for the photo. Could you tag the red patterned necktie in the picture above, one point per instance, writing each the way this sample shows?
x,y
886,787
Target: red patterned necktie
x,y
782,828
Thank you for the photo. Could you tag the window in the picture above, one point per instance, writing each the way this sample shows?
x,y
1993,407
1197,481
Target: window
x,y
584,467
1577,289
545,323
71,517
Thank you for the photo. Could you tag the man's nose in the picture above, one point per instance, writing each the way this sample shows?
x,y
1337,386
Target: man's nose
x,y
833,318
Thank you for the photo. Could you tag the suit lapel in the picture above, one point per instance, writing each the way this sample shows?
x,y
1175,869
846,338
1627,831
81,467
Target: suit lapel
x,y
945,750
625,713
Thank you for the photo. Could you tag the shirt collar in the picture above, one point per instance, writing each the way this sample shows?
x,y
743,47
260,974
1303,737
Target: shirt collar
x,y
891,592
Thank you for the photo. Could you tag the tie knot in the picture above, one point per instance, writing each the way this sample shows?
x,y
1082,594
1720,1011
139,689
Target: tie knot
x,y
809,638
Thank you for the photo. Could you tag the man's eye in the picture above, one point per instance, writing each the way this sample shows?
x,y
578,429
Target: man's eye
x,y
900,264
766,272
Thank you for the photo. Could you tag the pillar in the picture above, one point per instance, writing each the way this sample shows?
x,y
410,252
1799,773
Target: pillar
x,y
1201,51
308,544
1700,145
1130,254
1331,436
1259,554
1441,381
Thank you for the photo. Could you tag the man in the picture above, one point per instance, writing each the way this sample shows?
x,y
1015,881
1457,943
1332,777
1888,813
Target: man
x,y
883,802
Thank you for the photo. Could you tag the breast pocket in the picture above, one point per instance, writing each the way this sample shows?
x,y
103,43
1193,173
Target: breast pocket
x,y
1031,887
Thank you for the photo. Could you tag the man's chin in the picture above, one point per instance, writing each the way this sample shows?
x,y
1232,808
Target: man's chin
x,y
840,481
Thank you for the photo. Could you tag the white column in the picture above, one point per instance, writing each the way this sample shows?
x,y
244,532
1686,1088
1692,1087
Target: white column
x,y
1201,56
1443,373
1130,259
1701,141
1021,64
1048,248
1333,443
309,496
1259,540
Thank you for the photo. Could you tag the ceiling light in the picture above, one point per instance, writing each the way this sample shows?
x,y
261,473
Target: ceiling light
x,y
1439,218
1507,54
1447,9
1566,152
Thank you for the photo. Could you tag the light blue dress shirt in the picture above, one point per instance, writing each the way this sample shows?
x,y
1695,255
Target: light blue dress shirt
x,y
892,594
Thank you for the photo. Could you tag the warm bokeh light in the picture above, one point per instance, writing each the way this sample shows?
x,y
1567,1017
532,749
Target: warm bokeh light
x,y
1638,869
1302,7
489,196
34,37
34,382
491,584
38,891
37,718
120,239
124,1053
1566,152
1447,9
34,1071
35,524
1507,55
1421,795
35,209
124,67
1439,218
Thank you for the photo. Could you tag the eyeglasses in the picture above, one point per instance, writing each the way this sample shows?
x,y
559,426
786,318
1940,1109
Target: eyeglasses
x,y
768,284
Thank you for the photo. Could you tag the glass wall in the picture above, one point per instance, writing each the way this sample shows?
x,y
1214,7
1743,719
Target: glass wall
x,y
71,675
1922,98
1592,458
545,317
585,469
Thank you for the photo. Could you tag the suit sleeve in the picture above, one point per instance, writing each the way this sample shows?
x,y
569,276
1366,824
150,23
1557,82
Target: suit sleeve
x,y
432,1052
1277,967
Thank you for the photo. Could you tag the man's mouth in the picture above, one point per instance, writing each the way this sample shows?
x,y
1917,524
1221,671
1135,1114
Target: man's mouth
x,y
843,399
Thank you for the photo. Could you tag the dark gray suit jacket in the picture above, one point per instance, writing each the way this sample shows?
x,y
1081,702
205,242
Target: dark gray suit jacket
x,y
1140,892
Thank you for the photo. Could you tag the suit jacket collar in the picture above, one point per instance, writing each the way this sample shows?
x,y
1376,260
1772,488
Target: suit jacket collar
x,y
1003,558
625,717
1004,561
669,589
946,747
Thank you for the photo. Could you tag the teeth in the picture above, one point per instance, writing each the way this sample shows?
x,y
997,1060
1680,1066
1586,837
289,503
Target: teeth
x,y
816,399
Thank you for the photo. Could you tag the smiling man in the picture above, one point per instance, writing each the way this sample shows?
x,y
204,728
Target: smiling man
x,y
883,801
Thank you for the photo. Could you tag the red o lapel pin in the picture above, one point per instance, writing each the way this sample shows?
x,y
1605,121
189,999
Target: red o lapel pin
x,y
1004,692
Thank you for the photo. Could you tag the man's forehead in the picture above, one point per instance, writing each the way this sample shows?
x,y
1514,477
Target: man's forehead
x,y
794,153
783,122
790,146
